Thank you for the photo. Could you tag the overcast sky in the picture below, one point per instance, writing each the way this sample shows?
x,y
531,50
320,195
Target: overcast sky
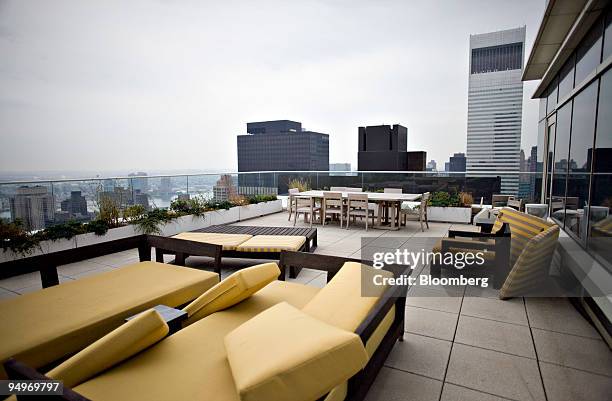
x,y
163,85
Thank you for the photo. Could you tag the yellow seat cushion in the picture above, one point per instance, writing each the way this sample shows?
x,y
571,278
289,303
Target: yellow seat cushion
x,y
272,243
46,325
283,354
194,356
228,241
341,303
125,341
531,268
235,288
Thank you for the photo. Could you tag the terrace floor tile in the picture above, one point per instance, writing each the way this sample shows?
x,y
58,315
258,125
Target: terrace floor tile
x,y
495,373
395,385
567,384
421,355
509,311
431,323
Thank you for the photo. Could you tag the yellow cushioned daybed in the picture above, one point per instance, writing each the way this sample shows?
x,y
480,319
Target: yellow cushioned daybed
x,y
228,241
193,363
44,326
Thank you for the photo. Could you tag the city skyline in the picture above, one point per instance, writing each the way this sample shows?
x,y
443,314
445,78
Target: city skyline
x,y
147,97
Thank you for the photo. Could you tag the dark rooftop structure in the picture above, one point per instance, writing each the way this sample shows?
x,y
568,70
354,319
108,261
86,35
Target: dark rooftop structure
x,y
384,148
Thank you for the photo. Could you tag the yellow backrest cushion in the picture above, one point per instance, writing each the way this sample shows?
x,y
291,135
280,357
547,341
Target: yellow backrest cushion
x,y
523,227
132,337
531,268
235,288
283,354
340,302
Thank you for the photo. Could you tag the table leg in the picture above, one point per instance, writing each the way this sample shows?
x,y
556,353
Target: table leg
x,y
393,216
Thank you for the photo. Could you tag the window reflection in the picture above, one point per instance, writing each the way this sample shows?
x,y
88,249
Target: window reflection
x,y
560,168
600,212
589,53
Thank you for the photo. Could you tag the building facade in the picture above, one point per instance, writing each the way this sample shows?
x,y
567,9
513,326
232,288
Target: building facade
x,y
571,57
495,106
75,205
224,189
281,145
384,148
34,206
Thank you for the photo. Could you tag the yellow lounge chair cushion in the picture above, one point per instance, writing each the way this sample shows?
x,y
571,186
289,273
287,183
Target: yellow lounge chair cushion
x,y
195,354
272,243
46,325
125,341
283,354
228,241
235,288
340,302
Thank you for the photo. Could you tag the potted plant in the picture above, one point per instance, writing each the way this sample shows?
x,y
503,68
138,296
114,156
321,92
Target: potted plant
x,y
450,207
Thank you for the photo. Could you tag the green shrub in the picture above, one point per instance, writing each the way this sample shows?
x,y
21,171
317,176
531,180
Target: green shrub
x,y
444,199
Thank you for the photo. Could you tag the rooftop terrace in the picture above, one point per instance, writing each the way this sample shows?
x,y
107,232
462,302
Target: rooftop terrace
x,y
464,344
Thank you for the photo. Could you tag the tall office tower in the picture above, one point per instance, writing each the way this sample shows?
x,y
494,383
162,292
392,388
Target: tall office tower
x,y
384,148
34,206
495,104
279,146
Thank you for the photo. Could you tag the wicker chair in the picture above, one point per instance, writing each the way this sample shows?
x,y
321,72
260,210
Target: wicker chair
x,y
306,207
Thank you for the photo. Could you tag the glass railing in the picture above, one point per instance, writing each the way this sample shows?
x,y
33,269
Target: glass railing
x,y
40,204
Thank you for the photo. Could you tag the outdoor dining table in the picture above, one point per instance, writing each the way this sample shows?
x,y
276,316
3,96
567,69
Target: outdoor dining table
x,y
384,199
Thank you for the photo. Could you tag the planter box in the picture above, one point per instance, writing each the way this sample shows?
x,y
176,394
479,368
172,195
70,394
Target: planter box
x,y
449,214
260,209
184,223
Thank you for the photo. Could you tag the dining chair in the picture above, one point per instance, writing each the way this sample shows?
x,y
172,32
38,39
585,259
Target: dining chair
x,y
358,207
307,207
292,192
420,211
333,205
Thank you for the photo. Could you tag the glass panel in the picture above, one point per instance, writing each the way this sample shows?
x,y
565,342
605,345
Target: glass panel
x,y
607,50
551,102
561,146
566,78
589,53
583,129
600,225
539,166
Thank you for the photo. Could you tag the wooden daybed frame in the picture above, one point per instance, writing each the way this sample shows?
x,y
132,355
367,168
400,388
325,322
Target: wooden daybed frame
x,y
358,385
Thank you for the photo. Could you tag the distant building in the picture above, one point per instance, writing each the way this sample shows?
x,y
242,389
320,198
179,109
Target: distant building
x,y
384,148
141,199
140,182
165,186
224,189
495,106
108,185
344,169
76,205
432,166
281,145
119,196
456,163
34,206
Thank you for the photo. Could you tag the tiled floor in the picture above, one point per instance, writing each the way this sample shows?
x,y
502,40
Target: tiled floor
x,y
460,344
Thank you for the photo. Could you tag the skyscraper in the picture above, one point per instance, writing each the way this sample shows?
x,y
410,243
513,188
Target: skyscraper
x,y
384,148
495,103
456,163
281,145
34,206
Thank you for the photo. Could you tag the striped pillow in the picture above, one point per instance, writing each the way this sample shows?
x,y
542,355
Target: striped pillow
x,y
523,227
531,267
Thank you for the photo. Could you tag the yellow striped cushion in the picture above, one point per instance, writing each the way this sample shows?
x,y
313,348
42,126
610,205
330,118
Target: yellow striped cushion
x,y
523,227
272,243
531,268
229,241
